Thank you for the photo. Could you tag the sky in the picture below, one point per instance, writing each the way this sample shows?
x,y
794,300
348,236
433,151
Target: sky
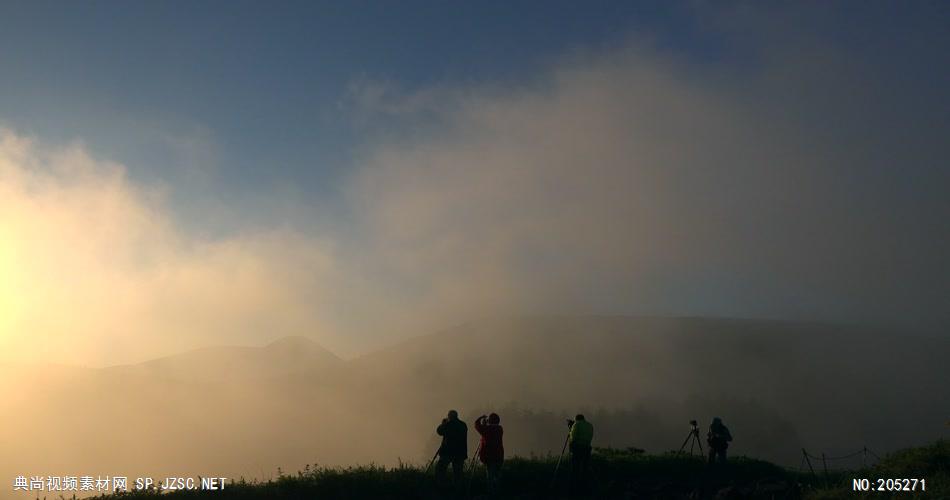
x,y
174,175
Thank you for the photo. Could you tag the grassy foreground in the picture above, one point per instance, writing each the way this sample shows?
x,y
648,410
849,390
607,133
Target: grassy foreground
x,y
617,474
931,463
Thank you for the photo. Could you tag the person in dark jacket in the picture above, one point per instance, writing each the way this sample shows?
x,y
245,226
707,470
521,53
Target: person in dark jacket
x,y
454,449
718,439
491,451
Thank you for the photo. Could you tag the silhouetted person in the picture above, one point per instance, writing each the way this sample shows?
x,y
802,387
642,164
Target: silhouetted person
x,y
491,450
718,439
579,439
454,449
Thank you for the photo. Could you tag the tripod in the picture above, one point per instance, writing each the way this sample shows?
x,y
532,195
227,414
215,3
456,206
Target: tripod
x,y
433,460
559,457
468,491
693,439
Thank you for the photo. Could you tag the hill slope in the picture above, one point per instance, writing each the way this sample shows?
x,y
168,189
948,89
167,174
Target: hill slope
x,y
246,411
283,357
782,385
615,474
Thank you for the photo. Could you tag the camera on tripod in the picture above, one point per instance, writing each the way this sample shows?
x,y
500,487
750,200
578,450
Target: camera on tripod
x,y
692,438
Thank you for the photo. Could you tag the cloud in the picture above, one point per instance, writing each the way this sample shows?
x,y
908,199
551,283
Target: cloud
x,y
95,270
796,184
633,181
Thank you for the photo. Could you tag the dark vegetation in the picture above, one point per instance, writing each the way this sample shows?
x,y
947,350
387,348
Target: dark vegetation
x,y
627,473
931,463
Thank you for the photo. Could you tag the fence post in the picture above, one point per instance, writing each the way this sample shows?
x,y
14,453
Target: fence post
x,y
807,461
824,463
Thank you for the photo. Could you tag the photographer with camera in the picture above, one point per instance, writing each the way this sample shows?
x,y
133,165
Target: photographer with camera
x,y
579,439
491,451
454,449
718,439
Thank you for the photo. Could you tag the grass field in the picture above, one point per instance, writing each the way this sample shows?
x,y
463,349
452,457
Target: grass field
x,y
617,474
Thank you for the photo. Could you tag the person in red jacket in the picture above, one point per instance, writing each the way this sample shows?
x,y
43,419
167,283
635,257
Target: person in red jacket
x,y
491,450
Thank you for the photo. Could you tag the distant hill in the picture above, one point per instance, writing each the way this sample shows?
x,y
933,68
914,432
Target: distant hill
x,y
782,384
244,411
283,357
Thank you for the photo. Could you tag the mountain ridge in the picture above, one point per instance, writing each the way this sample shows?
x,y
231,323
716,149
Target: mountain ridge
x,y
281,357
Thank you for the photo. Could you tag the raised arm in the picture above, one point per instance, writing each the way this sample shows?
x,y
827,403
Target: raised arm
x,y
480,424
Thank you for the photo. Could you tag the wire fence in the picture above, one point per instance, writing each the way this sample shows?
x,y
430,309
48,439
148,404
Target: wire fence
x,y
823,463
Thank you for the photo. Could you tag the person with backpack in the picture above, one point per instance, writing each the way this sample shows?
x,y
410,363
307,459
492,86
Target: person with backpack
x,y
718,439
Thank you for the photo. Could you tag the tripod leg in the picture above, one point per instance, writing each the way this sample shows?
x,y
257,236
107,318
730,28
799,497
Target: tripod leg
x,y
687,440
559,457
432,461
471,476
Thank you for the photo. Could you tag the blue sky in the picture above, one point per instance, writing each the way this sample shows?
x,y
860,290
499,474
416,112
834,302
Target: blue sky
x,y
265,82
381,166
265,85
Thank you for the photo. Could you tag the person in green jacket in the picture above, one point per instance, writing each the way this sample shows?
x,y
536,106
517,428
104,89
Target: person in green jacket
x,y
579,439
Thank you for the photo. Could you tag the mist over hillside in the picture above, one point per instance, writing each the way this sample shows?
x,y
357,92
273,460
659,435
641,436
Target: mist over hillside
x,y
231,364
244,411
